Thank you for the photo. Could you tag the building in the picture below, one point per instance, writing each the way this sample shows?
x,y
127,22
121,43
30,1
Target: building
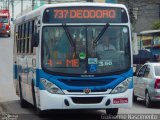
x,y
143,13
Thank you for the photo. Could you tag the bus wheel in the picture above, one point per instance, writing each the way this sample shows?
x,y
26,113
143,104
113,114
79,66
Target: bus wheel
x,y
134,98
40,113
112,111
23,103
34,96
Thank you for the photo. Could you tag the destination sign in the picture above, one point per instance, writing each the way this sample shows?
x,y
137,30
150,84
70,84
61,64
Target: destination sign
x,y
85,14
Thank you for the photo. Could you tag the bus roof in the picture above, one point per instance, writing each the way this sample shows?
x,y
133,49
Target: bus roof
x,y
84,4
39,11
150,32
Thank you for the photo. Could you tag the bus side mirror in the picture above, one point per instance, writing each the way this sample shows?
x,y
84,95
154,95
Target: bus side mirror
x,y
35,40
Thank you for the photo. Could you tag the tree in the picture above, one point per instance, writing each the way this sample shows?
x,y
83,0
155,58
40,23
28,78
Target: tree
x,y
156,25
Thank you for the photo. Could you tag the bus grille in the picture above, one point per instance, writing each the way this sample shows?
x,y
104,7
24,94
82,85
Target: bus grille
x,y
3,27
81,91
86,100
86,82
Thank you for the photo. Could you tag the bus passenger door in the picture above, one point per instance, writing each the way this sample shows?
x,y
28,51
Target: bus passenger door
x,y
24,75
32,71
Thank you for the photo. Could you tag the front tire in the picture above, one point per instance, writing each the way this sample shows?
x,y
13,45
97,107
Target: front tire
x,y
112,111
40,113
134,98
148,101
34,96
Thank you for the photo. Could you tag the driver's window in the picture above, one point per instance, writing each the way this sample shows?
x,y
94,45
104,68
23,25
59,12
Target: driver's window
x,y
141,71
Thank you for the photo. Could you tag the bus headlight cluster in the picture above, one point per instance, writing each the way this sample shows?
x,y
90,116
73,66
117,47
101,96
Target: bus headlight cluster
x,y
50,87
122,87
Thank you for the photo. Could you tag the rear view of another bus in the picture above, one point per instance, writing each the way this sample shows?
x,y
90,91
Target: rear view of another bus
x,y
5,23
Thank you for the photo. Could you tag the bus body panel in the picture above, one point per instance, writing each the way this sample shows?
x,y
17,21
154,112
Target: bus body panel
x,y
55,101
49,101
63,82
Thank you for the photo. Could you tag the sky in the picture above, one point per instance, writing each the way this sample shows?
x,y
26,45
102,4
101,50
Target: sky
x,y
17,8
28,5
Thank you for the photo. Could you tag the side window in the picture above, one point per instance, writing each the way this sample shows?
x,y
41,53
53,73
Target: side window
x,y
141,71
20,43
28,37
18,39
33,30
147,72
24,36
26,30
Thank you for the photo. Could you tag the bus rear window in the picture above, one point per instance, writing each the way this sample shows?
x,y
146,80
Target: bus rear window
x,y
85,14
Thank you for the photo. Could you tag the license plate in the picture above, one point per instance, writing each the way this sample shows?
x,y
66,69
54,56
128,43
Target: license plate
x,y
120,100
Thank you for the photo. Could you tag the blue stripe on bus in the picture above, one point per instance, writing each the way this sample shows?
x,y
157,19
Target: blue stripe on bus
x,y
54,79
15,72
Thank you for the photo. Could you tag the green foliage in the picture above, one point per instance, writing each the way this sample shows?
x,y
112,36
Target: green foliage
x,y
156,25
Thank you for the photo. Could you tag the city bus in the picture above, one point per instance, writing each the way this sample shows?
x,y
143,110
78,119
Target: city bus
x,y
57,64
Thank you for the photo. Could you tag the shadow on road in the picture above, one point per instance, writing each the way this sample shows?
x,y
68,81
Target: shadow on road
x,y
29,113
68,115
73,115
141,103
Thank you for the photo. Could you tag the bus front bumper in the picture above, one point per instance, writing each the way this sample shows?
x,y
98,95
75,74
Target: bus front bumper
x,y
5,32
48,101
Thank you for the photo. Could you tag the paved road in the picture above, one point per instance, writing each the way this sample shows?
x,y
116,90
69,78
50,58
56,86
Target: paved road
x,y
9,102
6,59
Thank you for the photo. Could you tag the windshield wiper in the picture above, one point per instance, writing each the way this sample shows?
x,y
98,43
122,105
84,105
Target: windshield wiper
x,y
68,35
101,33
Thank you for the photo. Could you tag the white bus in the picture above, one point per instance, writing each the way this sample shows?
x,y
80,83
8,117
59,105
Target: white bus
x,y
57,64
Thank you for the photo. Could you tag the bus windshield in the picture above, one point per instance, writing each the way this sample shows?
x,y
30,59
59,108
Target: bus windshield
x,y
74,51
3,19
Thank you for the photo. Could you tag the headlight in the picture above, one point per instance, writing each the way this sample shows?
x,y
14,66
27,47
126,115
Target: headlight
x,y
122,87
50,87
